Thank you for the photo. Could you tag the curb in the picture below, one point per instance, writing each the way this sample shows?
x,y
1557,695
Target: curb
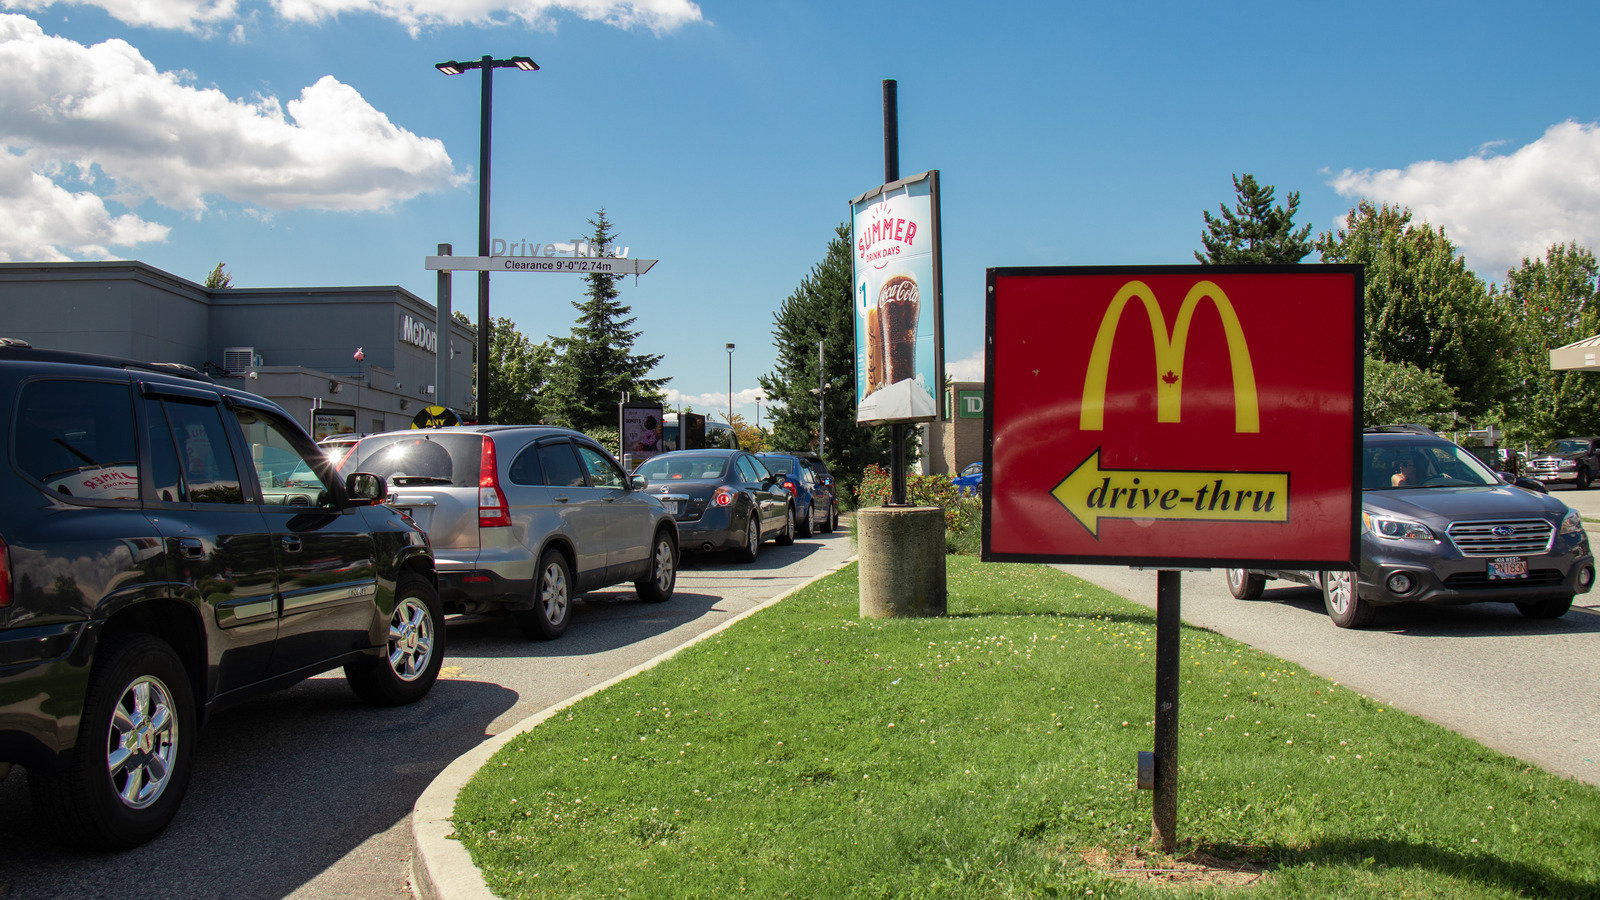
x,y
441,868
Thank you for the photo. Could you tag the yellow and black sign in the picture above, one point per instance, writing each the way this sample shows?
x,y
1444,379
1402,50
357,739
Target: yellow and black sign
x,y
435,417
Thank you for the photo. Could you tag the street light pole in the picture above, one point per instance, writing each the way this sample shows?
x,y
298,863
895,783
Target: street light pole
x,y
730,385
488,64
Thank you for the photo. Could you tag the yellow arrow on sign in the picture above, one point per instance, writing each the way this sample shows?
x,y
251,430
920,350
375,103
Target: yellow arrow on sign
x,y
1091,493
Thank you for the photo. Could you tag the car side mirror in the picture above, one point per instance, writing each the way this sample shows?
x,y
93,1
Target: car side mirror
x,y
1506,477
638,482
365,488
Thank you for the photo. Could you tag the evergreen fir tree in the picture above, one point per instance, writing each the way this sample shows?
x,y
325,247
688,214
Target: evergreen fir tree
x,y
820,309
1254,232
596,364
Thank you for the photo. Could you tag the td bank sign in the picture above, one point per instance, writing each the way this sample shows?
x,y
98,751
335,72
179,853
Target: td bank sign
x,y
1192,416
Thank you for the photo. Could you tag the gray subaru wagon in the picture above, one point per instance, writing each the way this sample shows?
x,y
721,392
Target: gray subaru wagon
x,y
524,518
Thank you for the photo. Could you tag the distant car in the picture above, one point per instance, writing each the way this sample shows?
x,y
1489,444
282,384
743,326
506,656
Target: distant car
x,y
337,446
824,475
1440,527
1574,460
815,504
524,518
721,499
970,481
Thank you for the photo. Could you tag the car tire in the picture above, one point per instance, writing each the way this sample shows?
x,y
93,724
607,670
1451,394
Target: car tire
x,y
413,650
752,539
139,699
786,536
1548,608
658,585
1244,585
552,599
832,520
805,521
1584,480
1343,601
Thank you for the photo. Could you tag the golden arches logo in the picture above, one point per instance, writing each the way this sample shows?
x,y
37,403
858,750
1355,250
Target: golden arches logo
x,y
1169,357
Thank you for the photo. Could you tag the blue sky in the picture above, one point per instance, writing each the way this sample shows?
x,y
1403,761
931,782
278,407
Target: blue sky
x,y
312,142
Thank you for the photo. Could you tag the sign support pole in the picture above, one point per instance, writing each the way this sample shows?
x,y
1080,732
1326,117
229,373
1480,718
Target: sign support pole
x,y
891,174
441,359
1164,807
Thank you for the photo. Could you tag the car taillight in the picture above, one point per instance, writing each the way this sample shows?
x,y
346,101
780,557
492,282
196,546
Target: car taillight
x,y
723,496
791,487
5,574
493,512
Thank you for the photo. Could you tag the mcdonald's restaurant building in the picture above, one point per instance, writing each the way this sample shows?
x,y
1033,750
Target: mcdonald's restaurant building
x,y
295,346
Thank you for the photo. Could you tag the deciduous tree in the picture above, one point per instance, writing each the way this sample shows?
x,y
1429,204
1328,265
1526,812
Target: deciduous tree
x,y
1423,306
1549,303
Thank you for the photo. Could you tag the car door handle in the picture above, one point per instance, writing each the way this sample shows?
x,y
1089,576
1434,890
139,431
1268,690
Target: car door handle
x,y
561,499
191,548
291,544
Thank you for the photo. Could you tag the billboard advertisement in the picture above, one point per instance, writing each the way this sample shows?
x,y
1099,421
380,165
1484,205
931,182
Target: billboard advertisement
x,y
642,430
899,315
1174,416
326,423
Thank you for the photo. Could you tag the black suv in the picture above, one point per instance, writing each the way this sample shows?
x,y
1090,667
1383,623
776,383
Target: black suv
x,y
170,547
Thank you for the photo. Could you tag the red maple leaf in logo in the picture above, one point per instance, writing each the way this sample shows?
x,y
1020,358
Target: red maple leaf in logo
x,y
1170,377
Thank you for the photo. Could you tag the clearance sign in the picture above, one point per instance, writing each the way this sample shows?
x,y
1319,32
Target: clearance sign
x,y
1174,416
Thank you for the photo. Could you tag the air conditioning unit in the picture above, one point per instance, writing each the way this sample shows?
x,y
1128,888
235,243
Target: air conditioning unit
x,y
239,360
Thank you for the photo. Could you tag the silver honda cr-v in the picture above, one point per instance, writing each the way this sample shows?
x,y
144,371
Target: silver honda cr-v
x,y
524,518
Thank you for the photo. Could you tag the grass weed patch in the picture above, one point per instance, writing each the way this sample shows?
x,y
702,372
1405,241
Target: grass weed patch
x,y
807,752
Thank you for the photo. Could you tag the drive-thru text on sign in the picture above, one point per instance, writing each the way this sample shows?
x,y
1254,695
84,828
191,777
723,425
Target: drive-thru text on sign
x,y
1174,416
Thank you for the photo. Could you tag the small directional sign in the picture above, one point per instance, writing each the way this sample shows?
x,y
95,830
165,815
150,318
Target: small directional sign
x,y
1092,493
579,265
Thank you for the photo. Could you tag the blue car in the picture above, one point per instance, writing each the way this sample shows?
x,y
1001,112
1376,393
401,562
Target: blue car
x,y
970,481
814,503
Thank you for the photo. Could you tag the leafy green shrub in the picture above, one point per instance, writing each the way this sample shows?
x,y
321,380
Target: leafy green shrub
x,y
963,514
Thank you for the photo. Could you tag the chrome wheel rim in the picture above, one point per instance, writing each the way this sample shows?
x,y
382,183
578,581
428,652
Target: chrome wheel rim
x,y
553,593
411,639
142,743
1235,578
1338,588
752,535
665,567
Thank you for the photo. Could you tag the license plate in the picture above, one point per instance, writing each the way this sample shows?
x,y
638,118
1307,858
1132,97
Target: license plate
x,y
1545,477
674,506
1508,567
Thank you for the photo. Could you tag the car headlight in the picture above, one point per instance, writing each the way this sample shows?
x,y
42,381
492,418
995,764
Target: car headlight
x,y
1566,464
1395,528
1573,523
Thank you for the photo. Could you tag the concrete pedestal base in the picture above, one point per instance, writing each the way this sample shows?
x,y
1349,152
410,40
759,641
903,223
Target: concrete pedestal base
x,y
901,551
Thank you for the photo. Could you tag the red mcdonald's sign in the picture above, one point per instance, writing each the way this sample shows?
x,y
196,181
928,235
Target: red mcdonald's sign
x,y
1174,416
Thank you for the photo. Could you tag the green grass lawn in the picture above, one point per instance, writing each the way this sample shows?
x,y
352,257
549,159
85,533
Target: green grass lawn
x,y
809,753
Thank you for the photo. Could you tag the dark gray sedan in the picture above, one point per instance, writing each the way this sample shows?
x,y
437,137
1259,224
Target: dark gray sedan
x,y
1438,526
722,499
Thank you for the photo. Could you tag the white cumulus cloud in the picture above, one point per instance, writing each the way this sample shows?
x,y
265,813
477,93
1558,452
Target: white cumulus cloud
x,y
659,16
1500,208
186,15
38,218
106,110
203,16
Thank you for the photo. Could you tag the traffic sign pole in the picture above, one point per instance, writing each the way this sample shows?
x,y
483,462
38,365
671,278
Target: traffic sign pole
x,y
1164,808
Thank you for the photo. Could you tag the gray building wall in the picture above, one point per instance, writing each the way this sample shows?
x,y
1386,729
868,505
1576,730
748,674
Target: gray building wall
x,y
305,338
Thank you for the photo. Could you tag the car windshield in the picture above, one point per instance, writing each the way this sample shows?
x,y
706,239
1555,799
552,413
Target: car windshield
x,y
1567,447
689,467
1423,464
